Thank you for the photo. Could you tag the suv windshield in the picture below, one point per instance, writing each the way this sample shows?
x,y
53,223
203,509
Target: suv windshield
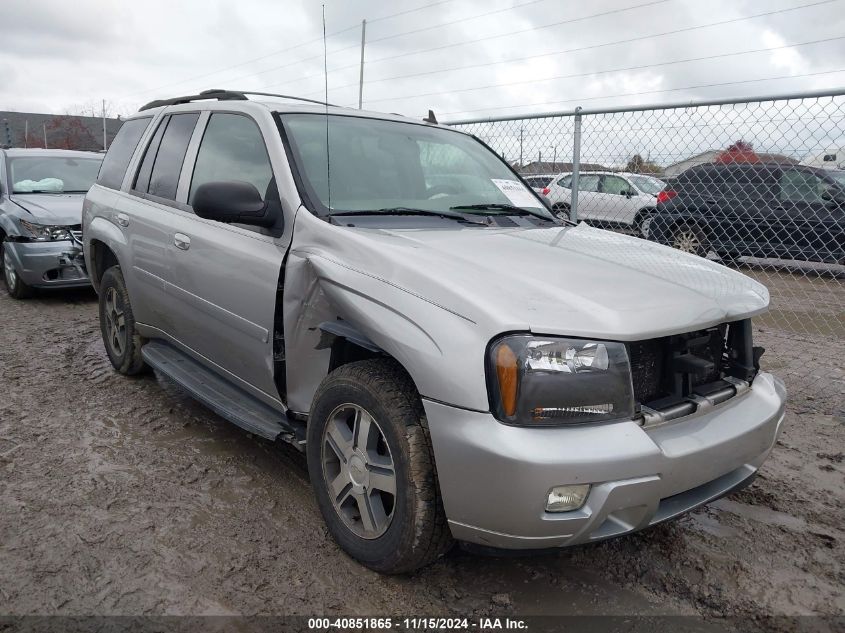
x,y
647,184
378,165
52,174
839,177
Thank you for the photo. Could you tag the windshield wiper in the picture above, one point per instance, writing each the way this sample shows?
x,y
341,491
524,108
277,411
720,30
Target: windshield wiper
x,y
491,206
409,211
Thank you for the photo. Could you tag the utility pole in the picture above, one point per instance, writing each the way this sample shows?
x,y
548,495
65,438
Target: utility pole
x,y
26,133
554,160
361,77
520,146
105,142
539,156
44,128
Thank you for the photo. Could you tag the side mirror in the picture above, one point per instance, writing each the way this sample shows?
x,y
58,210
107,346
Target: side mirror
x,y
232,201
833,197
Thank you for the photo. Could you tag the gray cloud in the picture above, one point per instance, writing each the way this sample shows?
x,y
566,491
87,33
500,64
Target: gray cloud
x,y
58,53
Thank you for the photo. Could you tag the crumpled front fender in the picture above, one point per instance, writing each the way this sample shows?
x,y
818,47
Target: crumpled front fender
x,y
440,349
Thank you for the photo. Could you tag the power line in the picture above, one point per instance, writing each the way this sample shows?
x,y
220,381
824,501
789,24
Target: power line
x,y
483,39
458,21
372,41
649,92
581,48
609,70
290,48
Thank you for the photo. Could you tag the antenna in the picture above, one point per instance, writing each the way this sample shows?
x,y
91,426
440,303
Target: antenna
x,y
326,81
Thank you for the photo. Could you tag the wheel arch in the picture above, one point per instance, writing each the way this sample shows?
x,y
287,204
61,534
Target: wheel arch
x,y
335,315
101,258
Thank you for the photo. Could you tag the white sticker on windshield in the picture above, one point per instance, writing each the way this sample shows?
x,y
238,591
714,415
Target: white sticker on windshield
x,y
517,193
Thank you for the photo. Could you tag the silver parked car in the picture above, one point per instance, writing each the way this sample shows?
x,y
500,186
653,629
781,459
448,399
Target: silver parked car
x,y
41,194
609,199
387,295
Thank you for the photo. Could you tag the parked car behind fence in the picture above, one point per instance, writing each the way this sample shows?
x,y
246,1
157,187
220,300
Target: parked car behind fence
x,y
754,209
609,199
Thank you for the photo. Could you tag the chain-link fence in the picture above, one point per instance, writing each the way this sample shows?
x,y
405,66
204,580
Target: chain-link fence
x,y
758,185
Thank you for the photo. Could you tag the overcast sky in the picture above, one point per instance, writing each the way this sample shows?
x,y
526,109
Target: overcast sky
x,y
522,55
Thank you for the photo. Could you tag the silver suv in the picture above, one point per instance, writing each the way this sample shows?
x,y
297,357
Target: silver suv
x,y
388,295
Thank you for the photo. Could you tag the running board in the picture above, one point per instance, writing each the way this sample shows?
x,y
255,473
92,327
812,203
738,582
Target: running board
x,y
219,395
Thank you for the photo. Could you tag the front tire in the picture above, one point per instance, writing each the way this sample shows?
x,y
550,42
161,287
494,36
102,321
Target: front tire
x,y
117,324
15,286
372,468
689,238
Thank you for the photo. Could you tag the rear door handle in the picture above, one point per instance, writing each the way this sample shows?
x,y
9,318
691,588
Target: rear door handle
x,y
122,219
182,241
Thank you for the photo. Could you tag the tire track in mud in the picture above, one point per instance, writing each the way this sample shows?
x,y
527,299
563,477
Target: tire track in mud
x,y
123,495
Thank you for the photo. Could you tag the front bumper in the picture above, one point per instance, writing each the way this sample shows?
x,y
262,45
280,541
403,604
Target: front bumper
x,y
58,264
494,478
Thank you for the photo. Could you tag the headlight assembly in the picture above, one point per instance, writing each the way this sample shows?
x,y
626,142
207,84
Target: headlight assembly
x,y
45,232
540,380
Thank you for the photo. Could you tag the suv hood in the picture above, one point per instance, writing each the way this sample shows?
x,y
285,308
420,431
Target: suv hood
x,y
51,208
576,281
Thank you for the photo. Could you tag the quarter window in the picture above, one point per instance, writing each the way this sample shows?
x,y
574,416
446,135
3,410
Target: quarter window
x,y
232,148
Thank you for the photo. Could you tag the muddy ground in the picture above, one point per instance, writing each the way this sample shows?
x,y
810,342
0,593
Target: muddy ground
x,y
123,496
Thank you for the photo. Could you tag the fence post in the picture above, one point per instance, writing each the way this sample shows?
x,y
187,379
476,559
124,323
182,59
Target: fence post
x,y
576,166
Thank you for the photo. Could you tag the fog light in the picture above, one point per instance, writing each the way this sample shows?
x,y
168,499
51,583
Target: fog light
x,y
567,498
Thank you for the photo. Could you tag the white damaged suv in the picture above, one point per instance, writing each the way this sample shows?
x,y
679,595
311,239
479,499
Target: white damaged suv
x,y
390,297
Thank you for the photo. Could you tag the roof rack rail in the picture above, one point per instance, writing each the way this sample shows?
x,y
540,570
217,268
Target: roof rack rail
x,y
222,95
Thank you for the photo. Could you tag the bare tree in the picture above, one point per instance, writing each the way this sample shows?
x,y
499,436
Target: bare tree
x,y
93,108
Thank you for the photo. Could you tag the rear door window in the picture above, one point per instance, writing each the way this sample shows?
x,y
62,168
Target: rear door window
x,y
232,148
614,185
120,153
162,164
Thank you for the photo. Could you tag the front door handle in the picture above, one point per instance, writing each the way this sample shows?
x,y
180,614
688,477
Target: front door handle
x,y
182,241
123,219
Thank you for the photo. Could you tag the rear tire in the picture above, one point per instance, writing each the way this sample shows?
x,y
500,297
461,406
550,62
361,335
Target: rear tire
x,y
689,238
117,325
561,210
15,286
372,468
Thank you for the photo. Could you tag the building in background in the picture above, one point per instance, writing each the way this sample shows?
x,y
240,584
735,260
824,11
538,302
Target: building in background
x,y
546,167
60,131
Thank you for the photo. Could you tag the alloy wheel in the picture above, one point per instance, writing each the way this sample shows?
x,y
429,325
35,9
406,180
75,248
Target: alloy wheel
x,y
115,322
688,242
359,471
